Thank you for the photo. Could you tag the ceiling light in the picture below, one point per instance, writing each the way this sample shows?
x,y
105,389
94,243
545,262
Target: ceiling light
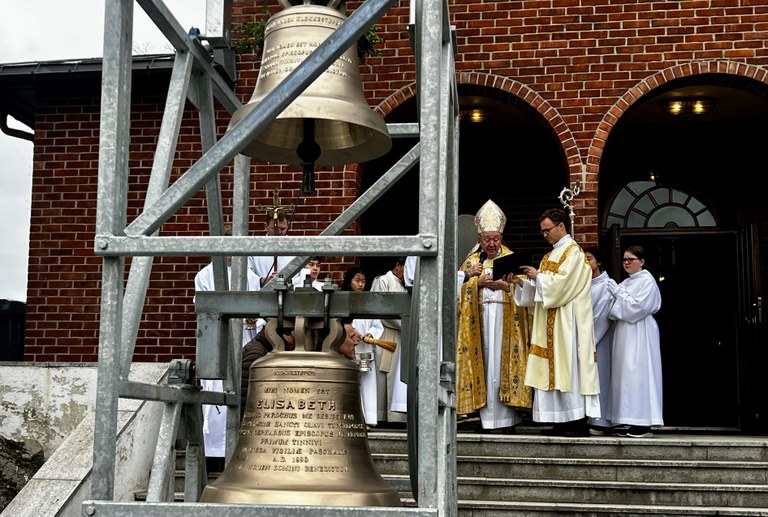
x,y
701,106
698,106
675,107
474,115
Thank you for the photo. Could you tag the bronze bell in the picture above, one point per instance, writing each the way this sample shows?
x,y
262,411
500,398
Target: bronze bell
x,y
303,439
330,123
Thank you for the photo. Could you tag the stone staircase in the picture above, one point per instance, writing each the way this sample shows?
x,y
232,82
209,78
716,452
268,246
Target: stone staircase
x,y
532,475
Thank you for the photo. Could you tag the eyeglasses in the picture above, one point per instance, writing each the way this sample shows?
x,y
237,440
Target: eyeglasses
x,y
545,231
629,259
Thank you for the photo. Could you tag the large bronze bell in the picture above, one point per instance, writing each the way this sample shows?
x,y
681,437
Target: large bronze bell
x,y
303,439
330,123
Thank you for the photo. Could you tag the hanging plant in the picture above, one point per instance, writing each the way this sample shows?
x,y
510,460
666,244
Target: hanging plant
x,y
366,44
252,38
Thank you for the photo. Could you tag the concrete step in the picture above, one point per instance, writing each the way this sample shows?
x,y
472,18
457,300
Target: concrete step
x,y
659,471
540,475
602,492
543,509
659,447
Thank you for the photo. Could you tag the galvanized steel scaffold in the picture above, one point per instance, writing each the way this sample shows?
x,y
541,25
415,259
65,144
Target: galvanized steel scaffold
x,y
431,304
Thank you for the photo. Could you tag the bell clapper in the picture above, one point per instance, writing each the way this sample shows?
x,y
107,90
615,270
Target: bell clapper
x,y
308,151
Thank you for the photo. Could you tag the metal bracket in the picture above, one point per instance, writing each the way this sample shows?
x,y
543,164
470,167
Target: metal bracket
x,y
181,371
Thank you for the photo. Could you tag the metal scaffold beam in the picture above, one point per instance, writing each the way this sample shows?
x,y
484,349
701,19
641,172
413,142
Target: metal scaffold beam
x,y
432,304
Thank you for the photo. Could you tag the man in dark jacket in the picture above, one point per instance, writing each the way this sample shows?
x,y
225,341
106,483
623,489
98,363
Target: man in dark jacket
x,y
256,348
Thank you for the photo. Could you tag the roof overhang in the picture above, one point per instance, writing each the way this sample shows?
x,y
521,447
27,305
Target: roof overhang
x,y
20,82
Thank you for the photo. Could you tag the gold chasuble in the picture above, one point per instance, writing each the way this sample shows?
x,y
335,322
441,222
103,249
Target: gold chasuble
x,y
470,364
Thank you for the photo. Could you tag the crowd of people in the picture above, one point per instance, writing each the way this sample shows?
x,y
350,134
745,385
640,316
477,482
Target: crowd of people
x,y
560,342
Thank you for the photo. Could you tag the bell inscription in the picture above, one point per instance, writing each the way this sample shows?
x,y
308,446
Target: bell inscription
x,y
327,20
303,417
297,427
284,58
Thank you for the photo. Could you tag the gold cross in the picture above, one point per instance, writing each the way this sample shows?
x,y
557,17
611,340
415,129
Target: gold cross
x,y
275,207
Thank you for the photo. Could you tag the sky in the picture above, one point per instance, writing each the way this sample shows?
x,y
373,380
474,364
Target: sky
x,y
45,30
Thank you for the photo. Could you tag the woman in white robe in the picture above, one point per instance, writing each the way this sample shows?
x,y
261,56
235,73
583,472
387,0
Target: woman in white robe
x,y
601,306
354,280
636,398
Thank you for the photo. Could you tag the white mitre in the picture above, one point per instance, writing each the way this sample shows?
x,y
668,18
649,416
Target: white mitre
x,y
490,218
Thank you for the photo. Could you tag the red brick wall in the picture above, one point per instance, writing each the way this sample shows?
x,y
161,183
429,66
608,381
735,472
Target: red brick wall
x,y
579,63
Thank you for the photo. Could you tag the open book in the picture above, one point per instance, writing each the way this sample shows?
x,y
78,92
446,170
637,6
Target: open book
x,y
511,264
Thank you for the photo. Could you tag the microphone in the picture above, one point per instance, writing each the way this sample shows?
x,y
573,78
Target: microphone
x,y
483,256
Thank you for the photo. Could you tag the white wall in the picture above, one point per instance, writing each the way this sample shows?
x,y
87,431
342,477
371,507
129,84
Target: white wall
x,y
47,401
53,404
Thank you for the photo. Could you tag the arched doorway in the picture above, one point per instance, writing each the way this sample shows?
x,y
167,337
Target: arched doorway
x,y
687,254
719,275
504,142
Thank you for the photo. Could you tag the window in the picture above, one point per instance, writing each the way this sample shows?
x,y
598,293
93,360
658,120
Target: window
x,y
645,204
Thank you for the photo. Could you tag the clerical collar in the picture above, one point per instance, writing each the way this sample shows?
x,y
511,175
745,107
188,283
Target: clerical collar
x,y
565,239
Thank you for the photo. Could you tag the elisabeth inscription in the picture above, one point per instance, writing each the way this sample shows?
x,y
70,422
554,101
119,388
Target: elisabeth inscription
x,y
297,426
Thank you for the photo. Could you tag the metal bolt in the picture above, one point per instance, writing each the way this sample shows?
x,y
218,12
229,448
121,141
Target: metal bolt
x,y
102,244
90,510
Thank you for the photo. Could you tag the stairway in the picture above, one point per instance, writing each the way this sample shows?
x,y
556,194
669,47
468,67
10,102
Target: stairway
x,y
532,475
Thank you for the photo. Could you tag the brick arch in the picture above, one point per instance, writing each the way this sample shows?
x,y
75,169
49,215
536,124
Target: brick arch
x,y
531,99
737,70
525,96
395,99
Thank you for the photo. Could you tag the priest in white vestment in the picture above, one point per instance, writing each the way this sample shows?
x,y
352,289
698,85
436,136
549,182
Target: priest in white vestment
x,y
267,267
215,417
562,365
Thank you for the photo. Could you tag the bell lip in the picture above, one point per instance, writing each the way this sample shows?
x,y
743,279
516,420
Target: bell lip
x,y
385,496
377,145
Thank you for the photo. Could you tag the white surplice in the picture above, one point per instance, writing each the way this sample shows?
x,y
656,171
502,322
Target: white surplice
x,y
494,415
636,370
601,306
263,266
368,379
392,393
215,417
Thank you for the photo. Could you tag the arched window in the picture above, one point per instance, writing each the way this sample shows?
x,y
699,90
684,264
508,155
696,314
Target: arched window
x,y
645,204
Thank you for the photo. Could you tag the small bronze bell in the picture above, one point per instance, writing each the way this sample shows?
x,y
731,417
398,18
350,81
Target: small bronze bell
x,y
303,439
330,123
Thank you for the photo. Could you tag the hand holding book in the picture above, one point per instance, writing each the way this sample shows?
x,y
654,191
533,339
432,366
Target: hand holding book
x,y
511,264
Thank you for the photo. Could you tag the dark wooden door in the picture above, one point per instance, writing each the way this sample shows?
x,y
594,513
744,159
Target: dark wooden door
x,y
753,348
698,322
